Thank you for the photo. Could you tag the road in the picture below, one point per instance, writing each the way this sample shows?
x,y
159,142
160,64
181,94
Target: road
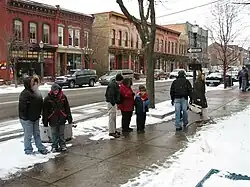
x,y
77,97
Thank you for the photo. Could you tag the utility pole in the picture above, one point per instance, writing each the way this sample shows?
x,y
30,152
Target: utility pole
x,y
195,30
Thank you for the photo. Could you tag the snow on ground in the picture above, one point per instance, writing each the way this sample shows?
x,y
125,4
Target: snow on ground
x,y
13,159
162,109
223,146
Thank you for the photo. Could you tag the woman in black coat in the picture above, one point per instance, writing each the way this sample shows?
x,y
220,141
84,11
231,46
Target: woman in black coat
x,y
199,97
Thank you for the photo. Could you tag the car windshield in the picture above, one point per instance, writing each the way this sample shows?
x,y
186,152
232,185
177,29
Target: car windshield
x,y
111,73
71,72
215,75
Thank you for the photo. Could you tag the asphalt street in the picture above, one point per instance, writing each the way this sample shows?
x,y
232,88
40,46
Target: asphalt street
x,y
77,97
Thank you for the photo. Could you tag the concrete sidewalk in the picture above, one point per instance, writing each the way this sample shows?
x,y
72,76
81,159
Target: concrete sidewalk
x,y
113,162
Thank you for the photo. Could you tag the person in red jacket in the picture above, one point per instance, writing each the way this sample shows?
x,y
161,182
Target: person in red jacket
x,y
127,104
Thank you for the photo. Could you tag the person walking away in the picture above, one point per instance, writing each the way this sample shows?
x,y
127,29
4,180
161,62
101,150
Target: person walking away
x,y
244,79
141,108
30,109
180,90
240,78
127,104
56,111
199,97
113,98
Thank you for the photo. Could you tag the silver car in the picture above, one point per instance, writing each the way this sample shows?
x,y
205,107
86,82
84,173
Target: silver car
x,y
110,75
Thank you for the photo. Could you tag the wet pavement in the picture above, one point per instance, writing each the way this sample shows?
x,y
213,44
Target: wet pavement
x,y
108,163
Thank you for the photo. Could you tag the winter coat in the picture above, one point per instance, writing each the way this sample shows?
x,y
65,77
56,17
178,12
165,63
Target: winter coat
x,y
56,109
199,97
141,104
112,94
244,75
181,88
30,102
127,101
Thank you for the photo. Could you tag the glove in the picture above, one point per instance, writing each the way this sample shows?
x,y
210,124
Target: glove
x,y
172,103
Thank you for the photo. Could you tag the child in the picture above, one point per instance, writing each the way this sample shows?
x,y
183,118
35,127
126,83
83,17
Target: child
x,y
141,108
56,112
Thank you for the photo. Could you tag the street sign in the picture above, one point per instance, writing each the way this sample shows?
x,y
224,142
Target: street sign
x,y
194,50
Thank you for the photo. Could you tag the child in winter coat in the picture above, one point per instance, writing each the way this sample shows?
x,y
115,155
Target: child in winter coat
x,y
141,108
56,111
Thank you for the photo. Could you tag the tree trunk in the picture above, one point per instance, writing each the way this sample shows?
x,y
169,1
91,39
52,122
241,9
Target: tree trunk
x,y
15,77
224,73
150,77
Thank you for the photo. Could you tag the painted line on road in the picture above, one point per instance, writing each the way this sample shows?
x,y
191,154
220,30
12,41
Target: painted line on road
x,y
9,102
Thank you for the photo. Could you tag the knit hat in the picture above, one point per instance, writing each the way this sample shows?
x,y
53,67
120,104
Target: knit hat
x,y
118,77
55,87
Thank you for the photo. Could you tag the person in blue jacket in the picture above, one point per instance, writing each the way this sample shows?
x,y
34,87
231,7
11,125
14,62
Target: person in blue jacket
x,y
141,108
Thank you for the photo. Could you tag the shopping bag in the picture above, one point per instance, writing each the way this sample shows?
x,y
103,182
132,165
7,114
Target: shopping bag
x,y
68,133
45,133
195,108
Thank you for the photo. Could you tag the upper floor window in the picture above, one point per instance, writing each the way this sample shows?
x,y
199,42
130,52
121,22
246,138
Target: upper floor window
x,y
71,32
126,39
33,32
157,44
18,29
60,35
169,46
166,44
176,48
161,45
46,32
172,49
77,38
132,42
137,42
86,39
120,38
113,37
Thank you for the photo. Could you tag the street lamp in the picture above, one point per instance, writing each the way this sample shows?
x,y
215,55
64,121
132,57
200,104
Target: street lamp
x,y
41,45
195,29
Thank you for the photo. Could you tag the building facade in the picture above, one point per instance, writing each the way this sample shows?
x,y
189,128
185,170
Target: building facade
x,y
66,37
120,47
188,36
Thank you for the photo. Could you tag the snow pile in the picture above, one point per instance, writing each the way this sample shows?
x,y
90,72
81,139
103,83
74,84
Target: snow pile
x,y
98,128
223,146
13,159
162,108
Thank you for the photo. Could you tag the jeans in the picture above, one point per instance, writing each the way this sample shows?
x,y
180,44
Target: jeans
x,y
30,129
181,105
58,136
126,119
244,85
112,118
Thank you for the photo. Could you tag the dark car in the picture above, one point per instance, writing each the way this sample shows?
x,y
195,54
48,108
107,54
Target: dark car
x,y
78,77
159,74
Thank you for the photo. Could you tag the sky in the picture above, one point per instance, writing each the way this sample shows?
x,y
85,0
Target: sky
x,y
201,16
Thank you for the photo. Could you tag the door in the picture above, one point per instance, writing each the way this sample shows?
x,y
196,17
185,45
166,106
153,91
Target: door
x,y
85,76
79,78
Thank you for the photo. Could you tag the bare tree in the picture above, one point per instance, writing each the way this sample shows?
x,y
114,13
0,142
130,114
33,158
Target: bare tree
x,y
223,32
147,31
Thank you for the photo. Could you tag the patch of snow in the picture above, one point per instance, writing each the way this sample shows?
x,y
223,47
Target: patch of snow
x,y
223,146
218,180
13,159
162,108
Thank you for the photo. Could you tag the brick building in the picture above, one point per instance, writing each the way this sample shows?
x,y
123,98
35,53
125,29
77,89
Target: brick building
x,y
187,36
117,45
66,36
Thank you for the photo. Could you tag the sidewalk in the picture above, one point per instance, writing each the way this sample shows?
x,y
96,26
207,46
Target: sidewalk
x,y
114,162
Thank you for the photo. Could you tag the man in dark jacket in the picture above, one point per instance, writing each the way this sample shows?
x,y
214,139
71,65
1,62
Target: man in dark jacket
x,y
113,98
180,90
29,109
56,111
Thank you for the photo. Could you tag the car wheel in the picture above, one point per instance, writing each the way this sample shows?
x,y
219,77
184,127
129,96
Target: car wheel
x,y
91,83
72,84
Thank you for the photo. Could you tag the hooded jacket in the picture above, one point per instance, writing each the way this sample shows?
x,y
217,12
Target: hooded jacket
x,y
30,102
56,109
127,95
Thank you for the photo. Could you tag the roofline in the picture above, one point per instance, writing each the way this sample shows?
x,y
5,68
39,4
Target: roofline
x,y
113,13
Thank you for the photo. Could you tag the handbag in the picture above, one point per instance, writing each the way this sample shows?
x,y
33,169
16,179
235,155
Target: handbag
x,y
195,108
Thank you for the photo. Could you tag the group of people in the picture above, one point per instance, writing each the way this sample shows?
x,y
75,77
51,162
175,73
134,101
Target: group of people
x,y
119,94
243,79
54,110
181,89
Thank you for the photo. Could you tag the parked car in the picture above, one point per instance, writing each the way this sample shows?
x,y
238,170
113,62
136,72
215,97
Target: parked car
x,y
174,73
110,75
214,78
234,75
159,74
78,77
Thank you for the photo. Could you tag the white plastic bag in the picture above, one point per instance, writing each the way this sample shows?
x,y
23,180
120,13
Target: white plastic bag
x,y
45,133
195,108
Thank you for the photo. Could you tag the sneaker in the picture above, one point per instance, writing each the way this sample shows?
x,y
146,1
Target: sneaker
x,y
114,135
117,132
55,150
141,131
178,129
29,152
63,149
43,151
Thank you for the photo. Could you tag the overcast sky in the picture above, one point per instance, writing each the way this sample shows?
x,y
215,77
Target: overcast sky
x,y
202,16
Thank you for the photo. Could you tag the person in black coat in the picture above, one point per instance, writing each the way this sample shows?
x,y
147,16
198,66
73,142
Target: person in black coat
x,y
29,110
199,97
56,111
